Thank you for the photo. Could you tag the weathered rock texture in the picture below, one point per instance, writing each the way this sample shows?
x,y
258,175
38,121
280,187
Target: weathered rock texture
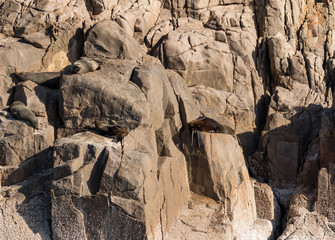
x,y
262,69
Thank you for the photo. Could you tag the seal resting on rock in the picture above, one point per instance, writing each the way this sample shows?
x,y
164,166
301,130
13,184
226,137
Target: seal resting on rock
x,y
112,130
205,124
84,65
20,111
48,79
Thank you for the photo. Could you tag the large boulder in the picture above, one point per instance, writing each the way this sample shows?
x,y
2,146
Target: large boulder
x,y
218,56
120,90
108,40
107,190
22,56
102,95
221,175
194,55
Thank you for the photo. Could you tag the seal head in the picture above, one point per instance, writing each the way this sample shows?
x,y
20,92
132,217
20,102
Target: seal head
x,y
84,66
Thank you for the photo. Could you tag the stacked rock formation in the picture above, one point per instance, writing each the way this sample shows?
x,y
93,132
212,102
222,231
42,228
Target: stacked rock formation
x,y
260,71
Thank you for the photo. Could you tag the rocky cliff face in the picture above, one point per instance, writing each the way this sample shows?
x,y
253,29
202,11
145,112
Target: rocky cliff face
x,y
263,70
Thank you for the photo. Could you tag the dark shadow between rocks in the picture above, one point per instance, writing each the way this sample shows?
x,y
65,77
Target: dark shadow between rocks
x,y
96,174
33,165
261,111
51,103
76,46
281,152
249,141
154,50
12,90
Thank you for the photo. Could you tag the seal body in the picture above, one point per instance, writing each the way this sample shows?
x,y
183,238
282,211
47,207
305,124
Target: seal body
x,y
48,79
84,66
112,130
205,124
20,111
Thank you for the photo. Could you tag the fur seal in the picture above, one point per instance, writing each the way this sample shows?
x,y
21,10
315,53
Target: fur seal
x,y
112,130
20,111
205,124
48,79
84,66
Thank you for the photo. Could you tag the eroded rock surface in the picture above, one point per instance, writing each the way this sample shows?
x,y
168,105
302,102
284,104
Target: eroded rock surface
x,y
263,70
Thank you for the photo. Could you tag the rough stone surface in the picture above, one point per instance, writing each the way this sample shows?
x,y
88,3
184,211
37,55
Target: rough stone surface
x,y
267,206
7,85
108,40
102,95
43,101
21,56
20,141
139,192
263,69
26,209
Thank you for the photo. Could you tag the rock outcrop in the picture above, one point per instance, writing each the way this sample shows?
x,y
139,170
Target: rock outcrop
x,y
261,70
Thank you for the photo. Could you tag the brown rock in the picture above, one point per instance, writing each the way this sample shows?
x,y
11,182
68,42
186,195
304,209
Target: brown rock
x,y
187,108
103,95
266,203
108,40
178,52
23,57
7,85
325,197
146,192
150,78
220,174
291,130
43,101
230,111
10,175
25,209
307,224
66,48
20,141
267,206
327,152
38,39
308,177
162,27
